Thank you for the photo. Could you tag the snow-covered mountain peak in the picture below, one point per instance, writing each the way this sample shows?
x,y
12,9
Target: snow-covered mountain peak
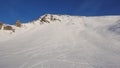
x,y
47,18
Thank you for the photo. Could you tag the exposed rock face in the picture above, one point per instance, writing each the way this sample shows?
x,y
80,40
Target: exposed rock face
x,y
44,19
52,18
1,24
18,23
7,28
47,18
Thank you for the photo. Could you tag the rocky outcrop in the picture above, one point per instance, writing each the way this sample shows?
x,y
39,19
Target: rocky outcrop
x,y
18,23
52,18
47,18
1,24
44,19
7,28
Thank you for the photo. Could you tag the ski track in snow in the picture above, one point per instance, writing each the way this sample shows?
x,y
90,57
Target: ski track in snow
x,y
73,42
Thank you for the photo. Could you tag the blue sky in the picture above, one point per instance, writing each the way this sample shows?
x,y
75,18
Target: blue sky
x,y
28,10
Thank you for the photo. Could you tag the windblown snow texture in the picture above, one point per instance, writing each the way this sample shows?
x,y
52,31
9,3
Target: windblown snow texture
x,y
64,42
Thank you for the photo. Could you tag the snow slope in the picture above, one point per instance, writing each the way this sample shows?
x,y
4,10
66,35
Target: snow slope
x,y
67,42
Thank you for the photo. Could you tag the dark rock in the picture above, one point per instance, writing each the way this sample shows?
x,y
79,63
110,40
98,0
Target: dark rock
x,y
1,24
18,23
7,28
44,19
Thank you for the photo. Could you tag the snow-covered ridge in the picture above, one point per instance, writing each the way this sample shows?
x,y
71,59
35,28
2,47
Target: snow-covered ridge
x,y
62,41
94,22
50,18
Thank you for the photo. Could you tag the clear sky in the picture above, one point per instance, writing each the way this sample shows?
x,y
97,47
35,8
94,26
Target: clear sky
x,y
28,10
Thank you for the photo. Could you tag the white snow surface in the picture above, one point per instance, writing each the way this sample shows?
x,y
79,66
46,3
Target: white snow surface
x,y
70,42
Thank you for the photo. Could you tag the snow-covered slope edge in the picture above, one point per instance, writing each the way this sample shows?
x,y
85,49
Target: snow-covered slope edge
x,y
62,41
66,19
